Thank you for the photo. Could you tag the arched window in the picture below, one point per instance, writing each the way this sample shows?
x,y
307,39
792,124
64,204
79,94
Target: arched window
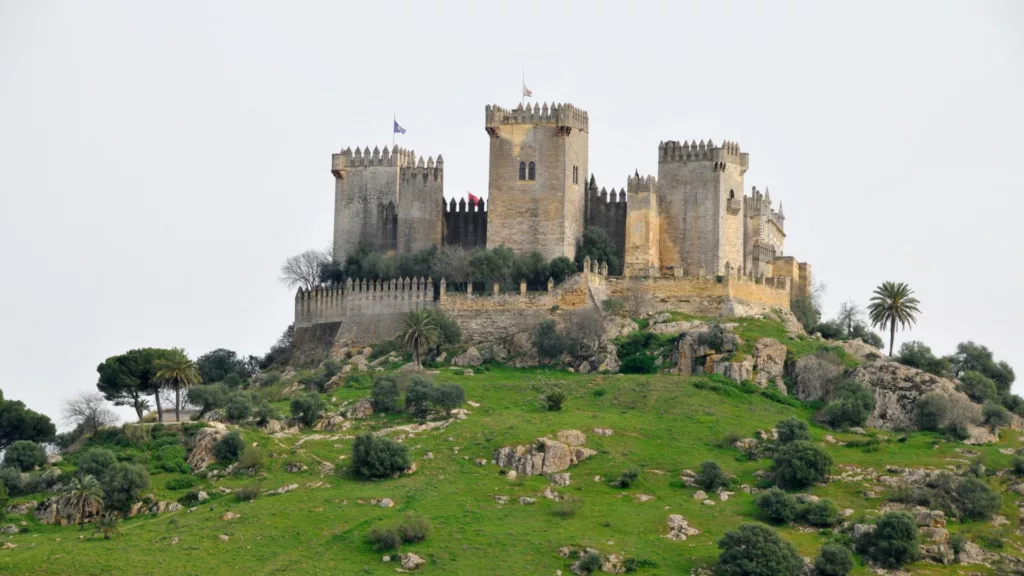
x,y
732,195
533,172
522,170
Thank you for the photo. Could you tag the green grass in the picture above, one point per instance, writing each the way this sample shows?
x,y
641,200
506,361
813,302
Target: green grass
x,y
662,423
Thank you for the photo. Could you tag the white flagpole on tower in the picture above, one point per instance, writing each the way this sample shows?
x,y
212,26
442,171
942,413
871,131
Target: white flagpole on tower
x,y
522,89
394,120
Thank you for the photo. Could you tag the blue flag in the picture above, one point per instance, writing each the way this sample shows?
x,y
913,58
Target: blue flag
x,y
399,129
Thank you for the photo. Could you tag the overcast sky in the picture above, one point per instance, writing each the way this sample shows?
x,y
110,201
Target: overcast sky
x,y
158,160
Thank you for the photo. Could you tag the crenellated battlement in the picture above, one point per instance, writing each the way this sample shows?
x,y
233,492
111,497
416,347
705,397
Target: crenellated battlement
x,y
331,302
561,115
395,157
727,153
605,197
637,183
760,205
426,170
463,206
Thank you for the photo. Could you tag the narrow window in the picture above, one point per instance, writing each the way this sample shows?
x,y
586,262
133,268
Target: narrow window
x,y
533,172
522,170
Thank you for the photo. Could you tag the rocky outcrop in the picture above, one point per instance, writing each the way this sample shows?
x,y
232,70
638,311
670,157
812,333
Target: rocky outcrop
x,y
971,553
679,528
201,455
547,456
897,389
606,360
980,435
411,561
735,371
615,326
815,376
688,354
861,351
468,359
61,511
674,328
571,437
769,361
361,409
332,423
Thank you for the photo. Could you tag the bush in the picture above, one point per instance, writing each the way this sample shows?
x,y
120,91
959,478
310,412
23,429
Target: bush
x,y
957,542
932,410
172,459
385,394
95,462
264,413
978,501
613,305
824,513
961,498
894,542
777,505
554,399
852,404
548,341
561,268
567,507
800,464
251,461
209,397
24,455
638,364
632,564
447,397
379,457
413,529
755,550
448,330
995,415
181,482
247,493
122,485
710,476
384,538
917,355
229,448
834,560
418,395
239,406
627,478
4,499
978,387
791,430
307,407
831,330
1018,465
590,562
331,368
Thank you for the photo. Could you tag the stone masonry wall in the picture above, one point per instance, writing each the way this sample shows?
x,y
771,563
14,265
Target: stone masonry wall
x,y
420,207
356,197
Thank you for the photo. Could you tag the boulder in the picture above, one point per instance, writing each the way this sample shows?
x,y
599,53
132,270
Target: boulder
x,y
861,351
980,435
230,516
940,553
282,489
769,361
615,326
272,427
971,553
294,467
571,437
550,494
897,388
9,529
547,456
360,410
674,328
934,535
560,479
930,518
202,496
61,511
22,509
224,537
525,500
603,431
332,423
679,528
500,499
527,359
201,455
814,377
735,371
8,546
613,564
468,359
700,495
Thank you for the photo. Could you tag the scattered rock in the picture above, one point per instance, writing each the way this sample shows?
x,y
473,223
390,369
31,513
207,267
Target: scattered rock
x,y
22,509
971,553
224,537
8,546
480,462
545,457
411,561
230,516
603,431
511,475
383,502
708,502
723,495
468,358
9,529
500,499
571,437
934,535
282,489
527,500
560,479
700,495
551,494
360,410
858,349
679,528
332,423
202,496
428,456
643,497
385,559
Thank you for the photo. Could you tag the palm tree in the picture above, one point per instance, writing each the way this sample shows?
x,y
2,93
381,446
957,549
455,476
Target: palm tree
x,y
419,332
84,491
893,304
178,371
107,525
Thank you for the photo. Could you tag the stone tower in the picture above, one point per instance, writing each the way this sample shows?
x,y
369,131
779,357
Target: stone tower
x,y
763,233
642,230
386,200
700,200
538,178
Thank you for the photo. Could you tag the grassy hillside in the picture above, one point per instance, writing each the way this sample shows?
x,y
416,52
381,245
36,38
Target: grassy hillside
x,y
662,424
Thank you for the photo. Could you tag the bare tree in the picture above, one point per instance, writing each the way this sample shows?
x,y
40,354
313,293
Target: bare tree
x,y
585,329
638,298
849,315
88,411
304,269
452,264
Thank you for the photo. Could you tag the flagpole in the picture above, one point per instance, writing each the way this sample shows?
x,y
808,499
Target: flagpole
x,y
394,120
522,89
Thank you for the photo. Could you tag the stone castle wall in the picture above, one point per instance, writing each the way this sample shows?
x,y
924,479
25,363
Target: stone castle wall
x,y
607,211
465,225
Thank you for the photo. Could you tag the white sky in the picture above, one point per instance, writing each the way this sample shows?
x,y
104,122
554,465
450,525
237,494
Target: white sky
x,y
158,160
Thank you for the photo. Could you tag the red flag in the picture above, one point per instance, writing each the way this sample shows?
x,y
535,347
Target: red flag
x,y
473,200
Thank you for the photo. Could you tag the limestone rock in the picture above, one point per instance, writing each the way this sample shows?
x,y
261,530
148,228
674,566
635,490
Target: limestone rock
x,y
977,435
547,456
941,553
8,546
468,359
230,516
735,371
700,495
613,564
282,489
22,509
560,479
971,553
769,360
934,535
571,437
61,511
527,359
201,455
930,518
679,528
224,537
861,351
272,427
480,462
615,326
859,530
814,378
332,423
360,410
202,496
385,502
708,502
897,388
500,499
9,529
294,467
527,500
674,328
603,431
550,494
643,497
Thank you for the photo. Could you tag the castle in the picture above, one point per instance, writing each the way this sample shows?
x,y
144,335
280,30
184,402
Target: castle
x,y
693,219
689,235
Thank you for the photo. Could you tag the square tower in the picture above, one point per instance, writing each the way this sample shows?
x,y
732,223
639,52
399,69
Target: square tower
x,y
700,202
642,234
538,169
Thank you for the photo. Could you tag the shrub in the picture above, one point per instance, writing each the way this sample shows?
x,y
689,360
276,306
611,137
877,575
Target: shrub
x,y
1018,465
914,353
627,478
418,395
24,455
977,386
561,268
834,560
831,330
823,513
447,397
385,394
894,542
995,415
247,493
209,397
791,430
181,482
978,501
172,459
548,341
755,550
264,413
378,457
590,562
384,538
852,404
962,414
4,499
95,462
307,407
613,305
777,505
638,364
229,448
932,410
239,406
631,564
961,498
957,542
413,529
567,507
800,464
122,485
710,476
554,399
331,368
251,461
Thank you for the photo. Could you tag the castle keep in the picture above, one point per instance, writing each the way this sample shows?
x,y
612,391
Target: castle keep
x,y
692,220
